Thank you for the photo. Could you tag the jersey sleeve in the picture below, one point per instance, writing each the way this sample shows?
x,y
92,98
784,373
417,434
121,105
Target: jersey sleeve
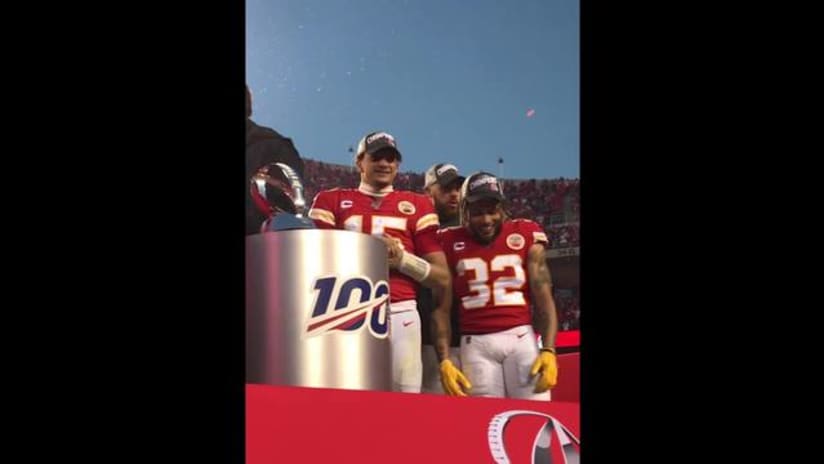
x,y
535,233
322,211
426,227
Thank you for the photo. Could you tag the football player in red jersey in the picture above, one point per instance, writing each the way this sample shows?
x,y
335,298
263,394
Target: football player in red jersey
x,y
499,271
407,223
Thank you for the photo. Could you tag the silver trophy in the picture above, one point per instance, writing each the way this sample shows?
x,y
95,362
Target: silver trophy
x,y
278,190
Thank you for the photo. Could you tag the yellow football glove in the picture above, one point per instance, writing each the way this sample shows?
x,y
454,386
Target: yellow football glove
x,y
547,366
453,381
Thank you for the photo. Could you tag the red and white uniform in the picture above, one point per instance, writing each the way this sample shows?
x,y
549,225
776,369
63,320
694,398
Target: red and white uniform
x,y
490,280
492,286
410,218
407,216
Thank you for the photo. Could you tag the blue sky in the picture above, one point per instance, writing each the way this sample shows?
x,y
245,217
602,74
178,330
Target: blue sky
x,y
451,80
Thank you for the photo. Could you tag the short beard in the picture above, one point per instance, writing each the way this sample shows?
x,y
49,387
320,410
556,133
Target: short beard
x,y
445,216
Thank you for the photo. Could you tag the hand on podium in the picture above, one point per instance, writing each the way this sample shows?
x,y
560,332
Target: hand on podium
x,y
394,251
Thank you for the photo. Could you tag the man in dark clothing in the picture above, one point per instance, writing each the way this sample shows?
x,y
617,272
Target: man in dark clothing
x,y
263,147
443,184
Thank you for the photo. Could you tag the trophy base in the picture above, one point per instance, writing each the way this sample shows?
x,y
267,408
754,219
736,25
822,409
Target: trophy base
x,y
286,221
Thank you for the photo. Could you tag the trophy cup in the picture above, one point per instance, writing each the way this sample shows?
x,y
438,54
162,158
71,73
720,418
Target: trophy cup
x,y
278,191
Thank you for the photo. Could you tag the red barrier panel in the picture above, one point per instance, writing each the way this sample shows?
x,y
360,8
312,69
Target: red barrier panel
x,y
569,378
568,339
292,424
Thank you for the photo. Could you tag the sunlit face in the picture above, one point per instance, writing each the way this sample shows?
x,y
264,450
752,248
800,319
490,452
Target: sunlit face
x,y
379,170
446,199
485,218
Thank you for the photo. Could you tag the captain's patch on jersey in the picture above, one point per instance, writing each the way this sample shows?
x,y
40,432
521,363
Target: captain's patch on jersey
x,y
458,246
515,241
346,204
406,208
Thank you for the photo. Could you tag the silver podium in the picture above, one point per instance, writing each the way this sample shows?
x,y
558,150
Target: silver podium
x,y
317,310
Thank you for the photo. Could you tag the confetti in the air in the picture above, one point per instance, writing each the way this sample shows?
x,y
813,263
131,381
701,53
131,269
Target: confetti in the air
x,y
530,112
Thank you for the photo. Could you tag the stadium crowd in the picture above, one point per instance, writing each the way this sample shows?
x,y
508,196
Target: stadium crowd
x,y
554,203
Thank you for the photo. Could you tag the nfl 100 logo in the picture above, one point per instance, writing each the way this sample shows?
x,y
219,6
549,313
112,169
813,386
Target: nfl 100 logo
x,y
348,305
